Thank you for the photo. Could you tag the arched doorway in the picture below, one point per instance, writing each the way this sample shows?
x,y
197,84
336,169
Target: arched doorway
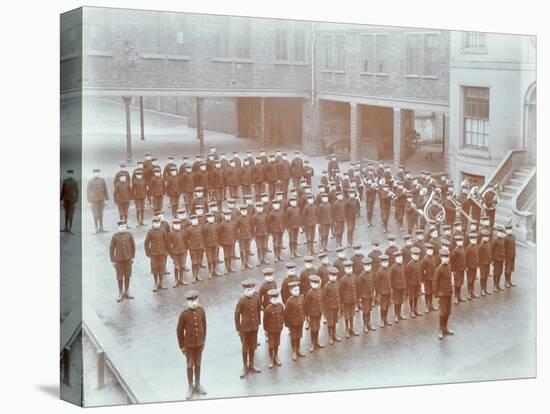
x,y
530,123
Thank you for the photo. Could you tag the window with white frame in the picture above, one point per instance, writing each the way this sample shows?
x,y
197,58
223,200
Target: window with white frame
x,y
241,33
281,42
367,53
430,50
476,117
475,40
339,51
413,54
326,52
381,48
222,37
299,45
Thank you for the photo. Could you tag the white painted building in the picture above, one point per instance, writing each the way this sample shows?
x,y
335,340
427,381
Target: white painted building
x,y
491,101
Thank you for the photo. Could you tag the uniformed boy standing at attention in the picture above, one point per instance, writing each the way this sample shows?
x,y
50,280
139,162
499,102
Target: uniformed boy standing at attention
x,y
509,255
122,251
484,257
178,251
294,318
273,321
383,289
443,289
331,303
156,249
472,263
191,333
498,254
348,296
247,321
366,293
313,310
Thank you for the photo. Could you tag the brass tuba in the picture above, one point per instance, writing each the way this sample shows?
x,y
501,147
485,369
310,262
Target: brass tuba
x,y
434,212
496,198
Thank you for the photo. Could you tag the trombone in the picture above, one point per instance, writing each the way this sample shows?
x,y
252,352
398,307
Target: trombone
x,y
458,206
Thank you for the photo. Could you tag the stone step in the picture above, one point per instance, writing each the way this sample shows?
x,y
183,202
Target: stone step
x,y
524,169
506,195
515,181
511,188
520,175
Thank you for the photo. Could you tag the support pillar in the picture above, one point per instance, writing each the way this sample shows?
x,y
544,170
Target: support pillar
x,y
445,151
100,369
353,133
200,126
397,137
127,100
262,121
141,118
311,127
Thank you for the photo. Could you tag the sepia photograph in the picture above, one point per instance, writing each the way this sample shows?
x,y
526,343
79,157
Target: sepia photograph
x,y
258,206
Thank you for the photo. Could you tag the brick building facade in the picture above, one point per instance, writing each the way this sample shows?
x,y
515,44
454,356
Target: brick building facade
x,y
325,87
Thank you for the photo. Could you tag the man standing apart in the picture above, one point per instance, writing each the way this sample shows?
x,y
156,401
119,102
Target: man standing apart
x,y
191,333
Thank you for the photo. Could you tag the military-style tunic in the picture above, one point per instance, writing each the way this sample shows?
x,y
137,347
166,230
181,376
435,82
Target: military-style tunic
x,y
427,270
313,308
156,247
443,288
274,319
295,316
191,333
330,297
247,321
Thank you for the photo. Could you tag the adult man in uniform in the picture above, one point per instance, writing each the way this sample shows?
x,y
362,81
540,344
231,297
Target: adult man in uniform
x,y
97,195
191,334
324,218
338,217
351,212
296,169
173,190
443,289
247,321
122,251
156,189
69,196
186,184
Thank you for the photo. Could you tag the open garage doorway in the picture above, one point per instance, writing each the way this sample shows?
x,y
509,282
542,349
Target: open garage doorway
x,y
282,117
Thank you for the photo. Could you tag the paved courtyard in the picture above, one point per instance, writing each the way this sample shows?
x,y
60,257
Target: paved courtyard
x,y
495,336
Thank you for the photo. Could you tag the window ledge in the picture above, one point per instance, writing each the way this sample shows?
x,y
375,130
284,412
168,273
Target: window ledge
x,y
429,77
300,63
482,153
475,50
326,71
177,57
339,71
412,76
382,74
222,59
282,62
152,56
243,60
103,53
366,73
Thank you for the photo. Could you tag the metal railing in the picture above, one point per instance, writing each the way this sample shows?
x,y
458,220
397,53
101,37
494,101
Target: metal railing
x,y
512,159
112,354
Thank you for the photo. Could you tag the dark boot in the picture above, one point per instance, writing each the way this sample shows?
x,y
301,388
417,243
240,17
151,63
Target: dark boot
x,y
120,293
156,282
127,288
276,356
351,330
